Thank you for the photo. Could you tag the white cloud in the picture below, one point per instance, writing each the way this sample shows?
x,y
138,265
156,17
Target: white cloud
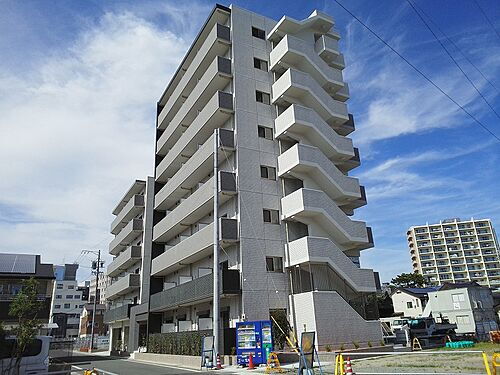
x,y
77,130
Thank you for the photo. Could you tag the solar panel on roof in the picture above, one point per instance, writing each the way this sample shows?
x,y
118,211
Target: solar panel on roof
x,y
17,263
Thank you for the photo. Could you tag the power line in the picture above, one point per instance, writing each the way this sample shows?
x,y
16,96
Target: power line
x,y
456,46
487,19
418,71
452,58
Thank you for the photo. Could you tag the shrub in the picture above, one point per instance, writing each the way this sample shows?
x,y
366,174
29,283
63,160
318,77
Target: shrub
x,y
328,348
382,343
356,344
181,343
370,344
342,347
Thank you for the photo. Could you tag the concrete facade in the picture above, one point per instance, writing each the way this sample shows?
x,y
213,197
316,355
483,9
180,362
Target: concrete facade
x,y
274,90
456,251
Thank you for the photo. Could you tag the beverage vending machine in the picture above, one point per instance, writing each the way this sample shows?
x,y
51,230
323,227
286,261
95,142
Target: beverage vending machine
x,y
253,338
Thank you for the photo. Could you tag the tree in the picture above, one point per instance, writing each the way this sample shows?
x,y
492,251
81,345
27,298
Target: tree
x,y
25,308
409,280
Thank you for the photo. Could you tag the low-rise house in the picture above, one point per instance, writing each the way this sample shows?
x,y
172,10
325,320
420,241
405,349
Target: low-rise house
x,y
469,305
14,269
411,302
100,329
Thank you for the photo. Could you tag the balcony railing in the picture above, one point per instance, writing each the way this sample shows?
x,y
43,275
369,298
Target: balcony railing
x,y
117,314
194,291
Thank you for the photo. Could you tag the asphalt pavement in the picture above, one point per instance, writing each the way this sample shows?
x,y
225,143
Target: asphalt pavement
x,y
123,366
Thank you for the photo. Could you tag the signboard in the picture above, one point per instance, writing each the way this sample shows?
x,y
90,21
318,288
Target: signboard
x,y
307,351
207,352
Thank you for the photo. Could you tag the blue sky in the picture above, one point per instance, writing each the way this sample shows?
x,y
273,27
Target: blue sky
x,y
79,81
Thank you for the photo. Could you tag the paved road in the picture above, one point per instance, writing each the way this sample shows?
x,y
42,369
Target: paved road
x,y
120,366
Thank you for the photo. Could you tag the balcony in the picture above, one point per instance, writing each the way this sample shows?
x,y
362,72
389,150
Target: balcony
x,y
195,291
136,188
124,260
194,248
322,250
298,87
307,205
297,53
309,164
216,77
302,123
123,239
327,47
134,207
217,43
117,314
123,286
194,208
217,111
196,168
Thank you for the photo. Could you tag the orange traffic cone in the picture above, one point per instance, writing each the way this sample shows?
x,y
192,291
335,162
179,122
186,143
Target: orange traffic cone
x,y
348,367
250,362
219,366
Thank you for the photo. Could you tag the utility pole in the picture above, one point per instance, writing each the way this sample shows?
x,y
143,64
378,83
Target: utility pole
x,y
215,323
96,266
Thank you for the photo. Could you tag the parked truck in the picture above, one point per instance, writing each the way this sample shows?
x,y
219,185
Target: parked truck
x,y
428,332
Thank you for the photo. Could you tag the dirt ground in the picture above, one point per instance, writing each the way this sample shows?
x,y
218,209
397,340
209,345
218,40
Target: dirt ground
x,y
452,361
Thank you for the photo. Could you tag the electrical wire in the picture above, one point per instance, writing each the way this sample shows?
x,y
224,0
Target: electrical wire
x,y
487,19
452,58
418,71
456,46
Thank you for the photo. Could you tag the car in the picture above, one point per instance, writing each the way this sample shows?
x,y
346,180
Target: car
x,y
35,359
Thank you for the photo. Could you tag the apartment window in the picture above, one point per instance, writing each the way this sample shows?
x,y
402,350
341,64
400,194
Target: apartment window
x,y
58,296
268,172
60,286
77,296
271,216
80,306
274,264
458,297
260,64
69,296
258,33
262,97
463,319
265,132
67,306
71,287
57,306
409,305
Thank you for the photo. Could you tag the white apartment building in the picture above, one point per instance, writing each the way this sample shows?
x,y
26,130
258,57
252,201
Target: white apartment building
x,y
103,283
272,97
456,251
67,302
125,273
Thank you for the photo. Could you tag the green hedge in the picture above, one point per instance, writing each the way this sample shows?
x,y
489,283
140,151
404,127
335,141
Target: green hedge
x,y
182,343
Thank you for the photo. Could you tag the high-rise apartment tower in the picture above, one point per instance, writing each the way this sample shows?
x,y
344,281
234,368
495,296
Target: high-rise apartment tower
x,y
456,251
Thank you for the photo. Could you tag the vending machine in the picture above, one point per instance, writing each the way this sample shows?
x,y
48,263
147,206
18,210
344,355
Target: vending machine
x,y
253,338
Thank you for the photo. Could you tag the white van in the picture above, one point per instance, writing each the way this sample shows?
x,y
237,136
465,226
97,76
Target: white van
x,y
34,361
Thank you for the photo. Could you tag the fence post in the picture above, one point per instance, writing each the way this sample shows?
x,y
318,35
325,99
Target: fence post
x,y
486,365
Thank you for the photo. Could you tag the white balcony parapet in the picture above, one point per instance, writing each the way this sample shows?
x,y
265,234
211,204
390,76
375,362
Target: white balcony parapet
x,y
123,286
321,250
136,188
216,78
302,123
217,111
303,160
133,208
123,239
194,170
216,43
308,205
195,207
318,22
327,47
124,260
298,87
297,53
195,247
